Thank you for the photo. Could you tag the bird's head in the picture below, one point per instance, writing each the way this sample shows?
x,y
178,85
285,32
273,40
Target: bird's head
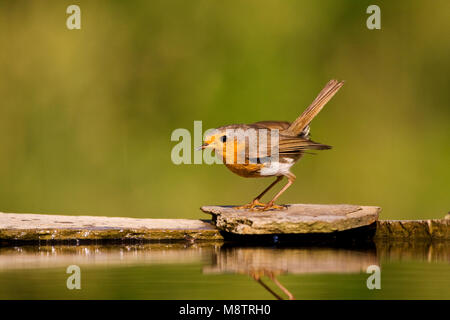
x,y
229,142
216,140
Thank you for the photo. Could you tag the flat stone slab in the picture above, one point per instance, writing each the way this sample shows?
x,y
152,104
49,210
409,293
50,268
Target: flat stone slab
x,y
41,227
306,219
295,219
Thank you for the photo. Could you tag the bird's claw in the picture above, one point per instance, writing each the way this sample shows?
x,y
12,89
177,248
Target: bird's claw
x,y
271,206
258,206
252,205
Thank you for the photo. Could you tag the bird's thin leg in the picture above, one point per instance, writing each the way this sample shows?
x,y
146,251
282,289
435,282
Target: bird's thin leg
x,y
268,188
255,201
270,205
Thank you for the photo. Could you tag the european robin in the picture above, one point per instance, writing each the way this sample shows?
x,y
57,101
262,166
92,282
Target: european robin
x,y
279,145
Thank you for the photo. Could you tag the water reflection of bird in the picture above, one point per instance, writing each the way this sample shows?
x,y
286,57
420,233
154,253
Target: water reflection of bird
x,y
291,143
257,275
268,265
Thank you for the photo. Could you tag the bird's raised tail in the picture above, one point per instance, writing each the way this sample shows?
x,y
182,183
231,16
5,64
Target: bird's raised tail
x,y
321,100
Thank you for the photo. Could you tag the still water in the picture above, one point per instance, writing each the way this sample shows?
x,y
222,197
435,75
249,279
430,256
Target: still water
x,y
225,271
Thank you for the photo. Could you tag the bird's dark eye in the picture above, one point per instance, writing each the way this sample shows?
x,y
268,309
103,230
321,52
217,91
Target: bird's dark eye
x,y
223,138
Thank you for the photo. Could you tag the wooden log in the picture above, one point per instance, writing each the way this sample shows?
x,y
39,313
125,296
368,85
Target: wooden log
x,y
432,229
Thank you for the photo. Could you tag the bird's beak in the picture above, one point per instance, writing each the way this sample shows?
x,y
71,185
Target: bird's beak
x,y
203,146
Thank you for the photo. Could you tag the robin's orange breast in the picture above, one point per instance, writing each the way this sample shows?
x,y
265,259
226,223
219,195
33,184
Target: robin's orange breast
x,y
247,170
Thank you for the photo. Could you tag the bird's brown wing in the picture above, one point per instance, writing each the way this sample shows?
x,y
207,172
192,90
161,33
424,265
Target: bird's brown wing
x,y
287,145
298,145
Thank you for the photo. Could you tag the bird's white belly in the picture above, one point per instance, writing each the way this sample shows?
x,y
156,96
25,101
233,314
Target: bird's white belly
x,y
276,168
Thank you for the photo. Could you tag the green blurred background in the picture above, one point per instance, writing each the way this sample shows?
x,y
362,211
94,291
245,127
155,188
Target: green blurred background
x,y
86,115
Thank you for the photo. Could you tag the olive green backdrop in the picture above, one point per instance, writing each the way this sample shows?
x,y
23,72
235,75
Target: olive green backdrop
x,y
86,115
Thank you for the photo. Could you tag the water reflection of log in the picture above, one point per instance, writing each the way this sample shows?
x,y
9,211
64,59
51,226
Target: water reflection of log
x,y
220,259
29,257
437,251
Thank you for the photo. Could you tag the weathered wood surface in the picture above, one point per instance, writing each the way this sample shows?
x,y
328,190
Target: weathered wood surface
x,y
295,219
40,227
435,229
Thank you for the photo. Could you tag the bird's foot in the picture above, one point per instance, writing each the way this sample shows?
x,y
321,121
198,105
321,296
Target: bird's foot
x,y
271,206
252,205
